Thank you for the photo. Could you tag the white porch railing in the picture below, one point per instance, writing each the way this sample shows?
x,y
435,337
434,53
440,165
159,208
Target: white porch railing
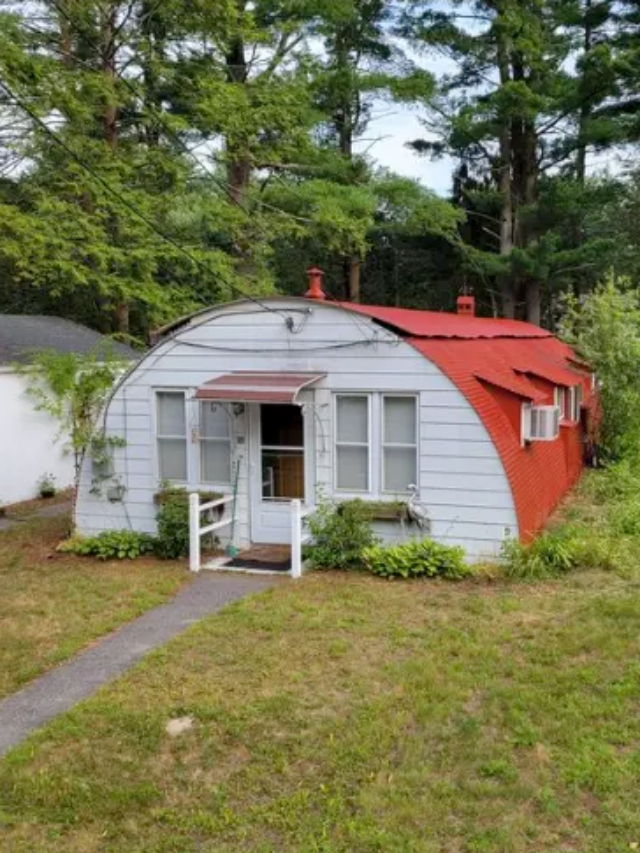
x,y
298,535
196,531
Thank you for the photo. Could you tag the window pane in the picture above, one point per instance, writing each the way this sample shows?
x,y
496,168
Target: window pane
x,y
282,426
171,414
282,474
400,420
172,459
353,419
399,469
353,469
216,461
214,422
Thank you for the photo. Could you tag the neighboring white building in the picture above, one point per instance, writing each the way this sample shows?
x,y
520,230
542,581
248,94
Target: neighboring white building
x,y
285,398
29,442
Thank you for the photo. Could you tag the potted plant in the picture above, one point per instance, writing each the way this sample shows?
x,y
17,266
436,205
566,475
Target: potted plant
x,y
47,486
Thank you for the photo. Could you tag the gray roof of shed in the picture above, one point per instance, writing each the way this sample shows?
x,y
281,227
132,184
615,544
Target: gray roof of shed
x,y
22,334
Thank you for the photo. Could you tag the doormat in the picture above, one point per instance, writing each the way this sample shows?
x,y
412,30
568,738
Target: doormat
x,y
260,565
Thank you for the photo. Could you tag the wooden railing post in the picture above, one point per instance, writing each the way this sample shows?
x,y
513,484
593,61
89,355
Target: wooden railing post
x,y
296,539
194,532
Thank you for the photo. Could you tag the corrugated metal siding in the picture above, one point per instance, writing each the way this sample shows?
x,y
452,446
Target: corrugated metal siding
x,y
462,479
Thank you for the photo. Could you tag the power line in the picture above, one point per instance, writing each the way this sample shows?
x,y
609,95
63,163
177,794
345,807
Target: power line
x,y
131,207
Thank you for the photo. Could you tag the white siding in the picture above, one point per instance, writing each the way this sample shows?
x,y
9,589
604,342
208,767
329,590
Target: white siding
x,y
462,479
29,445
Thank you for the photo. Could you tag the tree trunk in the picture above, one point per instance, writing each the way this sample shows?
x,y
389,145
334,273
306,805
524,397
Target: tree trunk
x,y
110,123
505,185
239,164
354,264
154,37
585,108
533,301
109,71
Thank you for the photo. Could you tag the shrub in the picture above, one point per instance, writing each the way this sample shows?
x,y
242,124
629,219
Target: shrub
x,y
605,329
552,553
172,540
566,549
418,558
110,545
341,532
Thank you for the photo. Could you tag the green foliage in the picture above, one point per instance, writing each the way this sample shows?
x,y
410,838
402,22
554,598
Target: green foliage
x,y
416,559
598,529
110,545
340,534
605,329
47,486
552,553
172,540
73,389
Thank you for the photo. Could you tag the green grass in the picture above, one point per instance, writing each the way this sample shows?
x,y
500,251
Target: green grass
x,y
346,714
52,605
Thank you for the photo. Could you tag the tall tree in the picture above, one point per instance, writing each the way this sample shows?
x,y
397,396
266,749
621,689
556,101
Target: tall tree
x,y
513,110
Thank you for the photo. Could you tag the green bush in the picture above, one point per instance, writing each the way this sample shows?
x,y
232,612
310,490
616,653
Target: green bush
x,y
340,532
172,540
418,558
552,553
110,545
566,549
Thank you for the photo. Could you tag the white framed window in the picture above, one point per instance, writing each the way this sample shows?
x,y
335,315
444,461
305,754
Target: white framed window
x,y
575,402
560,401
399,443
215,444
540,423
353,442
171,436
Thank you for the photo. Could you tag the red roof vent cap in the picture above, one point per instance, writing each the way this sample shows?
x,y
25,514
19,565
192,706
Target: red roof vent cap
x,y
315,284
466,305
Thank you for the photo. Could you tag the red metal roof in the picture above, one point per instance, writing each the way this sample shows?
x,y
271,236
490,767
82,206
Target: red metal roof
x,y
541,472
496,364
256,387
439,324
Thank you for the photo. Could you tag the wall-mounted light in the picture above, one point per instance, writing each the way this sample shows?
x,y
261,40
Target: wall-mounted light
x,y
237,409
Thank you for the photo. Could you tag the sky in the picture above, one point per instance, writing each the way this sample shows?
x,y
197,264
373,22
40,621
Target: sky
x,y
386,143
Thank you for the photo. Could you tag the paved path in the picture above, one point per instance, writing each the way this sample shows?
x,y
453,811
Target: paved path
x,y
60,689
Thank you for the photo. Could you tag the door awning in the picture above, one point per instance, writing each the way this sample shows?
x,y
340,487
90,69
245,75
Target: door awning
x,y
249,387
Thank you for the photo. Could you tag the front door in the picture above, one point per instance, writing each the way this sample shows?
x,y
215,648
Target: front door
x,y
278,470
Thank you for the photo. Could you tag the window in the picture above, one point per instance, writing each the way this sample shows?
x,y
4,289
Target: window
x,y
399,443
560,400
215,444
575,402
540,423
282,452
171,435
352,443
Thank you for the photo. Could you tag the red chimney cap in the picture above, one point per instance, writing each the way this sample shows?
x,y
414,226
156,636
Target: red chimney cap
x,y
466,305
315,284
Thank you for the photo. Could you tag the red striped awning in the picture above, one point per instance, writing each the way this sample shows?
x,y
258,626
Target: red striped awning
x,y
249,387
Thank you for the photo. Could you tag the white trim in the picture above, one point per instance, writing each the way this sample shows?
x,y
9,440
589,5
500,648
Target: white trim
x,y
186,393
202,440
397,446
336,443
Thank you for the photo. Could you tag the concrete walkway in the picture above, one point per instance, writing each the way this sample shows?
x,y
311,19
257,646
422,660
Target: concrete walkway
x,y
60,689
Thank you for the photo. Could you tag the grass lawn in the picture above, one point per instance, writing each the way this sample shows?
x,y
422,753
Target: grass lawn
x,y
51,605
345,714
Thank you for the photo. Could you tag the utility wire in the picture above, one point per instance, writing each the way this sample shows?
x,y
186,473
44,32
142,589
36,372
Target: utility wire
x,y
131,207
